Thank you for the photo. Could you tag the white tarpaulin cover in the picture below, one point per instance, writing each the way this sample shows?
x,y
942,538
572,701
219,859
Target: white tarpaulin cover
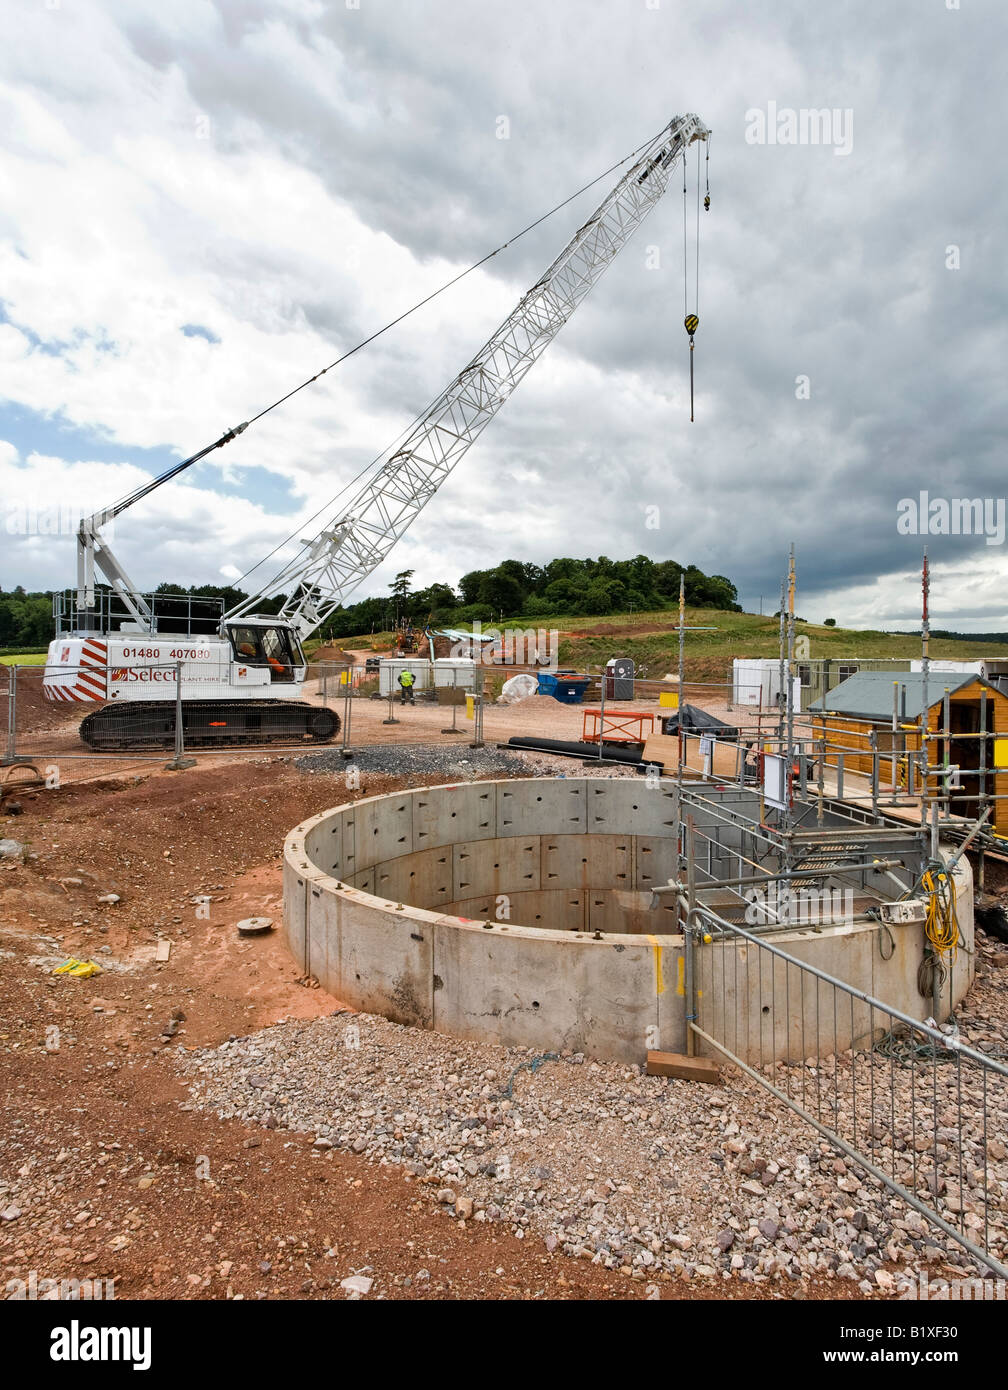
x,y
518,688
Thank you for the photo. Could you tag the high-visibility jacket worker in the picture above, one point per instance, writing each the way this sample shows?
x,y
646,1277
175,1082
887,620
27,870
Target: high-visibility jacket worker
x,y
406,679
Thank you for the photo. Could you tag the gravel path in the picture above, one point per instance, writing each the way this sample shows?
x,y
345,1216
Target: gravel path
x,y
661,1179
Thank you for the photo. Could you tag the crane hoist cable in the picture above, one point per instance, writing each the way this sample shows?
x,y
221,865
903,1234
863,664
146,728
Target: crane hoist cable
x,y
375,463
691,321
228,435
696,225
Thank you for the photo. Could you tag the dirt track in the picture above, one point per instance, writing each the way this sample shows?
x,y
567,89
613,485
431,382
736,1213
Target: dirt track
x,y
111,1175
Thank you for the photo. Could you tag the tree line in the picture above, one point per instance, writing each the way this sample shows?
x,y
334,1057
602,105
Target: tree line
x,y
515,589
26,619
512,589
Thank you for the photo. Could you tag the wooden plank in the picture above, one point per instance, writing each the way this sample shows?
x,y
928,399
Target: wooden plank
x,y
683,1068
662,749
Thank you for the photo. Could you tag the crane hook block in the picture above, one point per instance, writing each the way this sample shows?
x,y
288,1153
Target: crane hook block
x,y
692,323
706,202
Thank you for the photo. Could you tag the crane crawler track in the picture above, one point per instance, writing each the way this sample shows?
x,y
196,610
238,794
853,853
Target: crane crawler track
x,y
207,724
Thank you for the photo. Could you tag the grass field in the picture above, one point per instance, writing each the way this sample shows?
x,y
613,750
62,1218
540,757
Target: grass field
x,y
652,642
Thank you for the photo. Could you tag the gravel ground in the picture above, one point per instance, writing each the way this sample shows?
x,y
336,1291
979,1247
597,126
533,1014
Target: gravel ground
x,y
456,762
102,1175
658,1178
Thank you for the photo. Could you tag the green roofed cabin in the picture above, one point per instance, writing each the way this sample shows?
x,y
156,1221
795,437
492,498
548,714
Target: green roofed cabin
x,y
863,704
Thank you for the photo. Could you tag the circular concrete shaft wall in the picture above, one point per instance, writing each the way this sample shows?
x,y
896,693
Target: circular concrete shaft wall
x,y
518,912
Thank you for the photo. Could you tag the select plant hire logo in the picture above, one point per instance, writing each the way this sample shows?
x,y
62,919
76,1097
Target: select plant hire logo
x,y
147,674
925,515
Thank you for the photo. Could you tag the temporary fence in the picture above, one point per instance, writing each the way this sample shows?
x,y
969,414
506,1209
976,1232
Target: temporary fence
x,y
913,1105
54,733
919,1110
57,733
956,780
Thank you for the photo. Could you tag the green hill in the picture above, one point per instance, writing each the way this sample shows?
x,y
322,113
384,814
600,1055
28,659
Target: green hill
x,y
652,641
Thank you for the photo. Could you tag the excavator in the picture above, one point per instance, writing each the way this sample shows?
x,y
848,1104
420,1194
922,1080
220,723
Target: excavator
x,y
238,675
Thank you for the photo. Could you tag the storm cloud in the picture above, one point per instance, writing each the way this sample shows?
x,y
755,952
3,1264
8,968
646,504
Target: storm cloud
x,y
205,203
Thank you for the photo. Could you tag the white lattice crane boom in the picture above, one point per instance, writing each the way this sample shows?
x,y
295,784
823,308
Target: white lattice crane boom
x,y
237,681
356,541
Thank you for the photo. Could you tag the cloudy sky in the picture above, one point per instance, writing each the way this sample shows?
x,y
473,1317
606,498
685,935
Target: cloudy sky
x,y
201,204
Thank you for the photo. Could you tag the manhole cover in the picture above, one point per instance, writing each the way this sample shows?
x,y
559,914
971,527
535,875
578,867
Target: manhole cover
x,y
255,926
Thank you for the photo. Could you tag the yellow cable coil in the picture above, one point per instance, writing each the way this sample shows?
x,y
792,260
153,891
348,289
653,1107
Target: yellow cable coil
x,y
941,925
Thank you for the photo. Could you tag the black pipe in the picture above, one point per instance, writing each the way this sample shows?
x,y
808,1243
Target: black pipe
x,y
630,753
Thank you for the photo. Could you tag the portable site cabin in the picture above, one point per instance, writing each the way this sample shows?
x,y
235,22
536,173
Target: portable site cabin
x,y
865,704
446,671
756,680
989,668
819,675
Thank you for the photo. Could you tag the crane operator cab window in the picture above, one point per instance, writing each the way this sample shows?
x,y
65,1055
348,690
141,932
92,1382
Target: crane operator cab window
x,y
268,646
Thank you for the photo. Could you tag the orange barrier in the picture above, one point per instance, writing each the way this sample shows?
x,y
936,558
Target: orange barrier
x,y
616,726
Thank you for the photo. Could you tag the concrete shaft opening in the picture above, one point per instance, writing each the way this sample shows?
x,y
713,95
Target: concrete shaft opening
x,y
545,912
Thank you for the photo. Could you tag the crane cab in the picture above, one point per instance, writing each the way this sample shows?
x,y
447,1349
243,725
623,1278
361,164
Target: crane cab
x,y
269,646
